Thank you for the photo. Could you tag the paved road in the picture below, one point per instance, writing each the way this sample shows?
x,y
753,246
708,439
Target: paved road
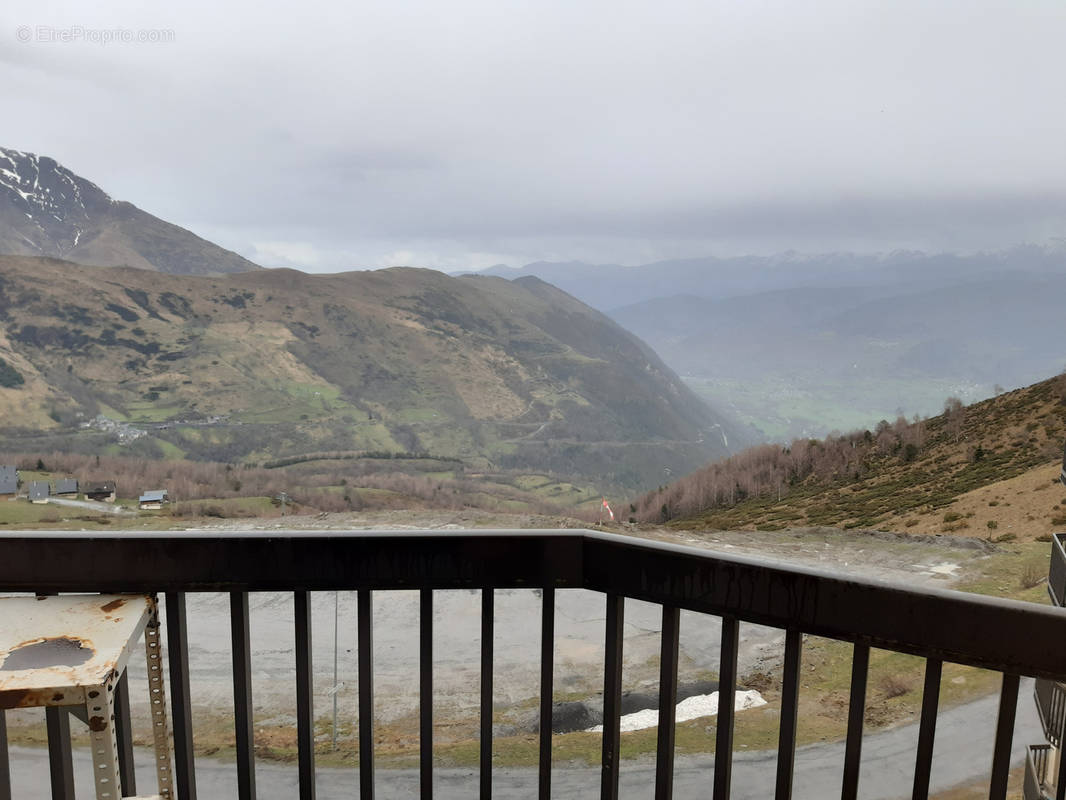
x,y
963,753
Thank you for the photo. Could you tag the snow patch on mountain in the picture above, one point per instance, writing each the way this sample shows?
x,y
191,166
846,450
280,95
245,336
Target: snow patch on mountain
x,y
46,191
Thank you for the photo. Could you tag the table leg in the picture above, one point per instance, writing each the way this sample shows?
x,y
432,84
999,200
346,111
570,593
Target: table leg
x,y
103,744
124,734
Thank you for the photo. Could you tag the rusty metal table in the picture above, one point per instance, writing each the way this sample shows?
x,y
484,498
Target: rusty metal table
x,y
70,652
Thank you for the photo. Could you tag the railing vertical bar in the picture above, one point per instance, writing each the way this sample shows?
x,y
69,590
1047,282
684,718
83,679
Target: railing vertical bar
x,y
305,717
664,752
60,763
923,765
612,696
181,704
425,694
1060,782
240,638
860,667
124,737
5,766
786,739
487,615
1008,708
366,694
547,690
727,690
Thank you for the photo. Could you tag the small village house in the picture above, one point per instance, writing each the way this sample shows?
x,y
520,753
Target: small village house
x,y
66,486
40,491
9,480
101,491
153,500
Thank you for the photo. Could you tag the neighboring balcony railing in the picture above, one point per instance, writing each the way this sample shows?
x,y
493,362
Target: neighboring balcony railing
x,y
1051,705
1056,578
1036,760
1013,638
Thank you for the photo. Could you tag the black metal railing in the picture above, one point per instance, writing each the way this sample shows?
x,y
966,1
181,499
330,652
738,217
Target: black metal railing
x,y
1056,577
1013,638
1036,759
1051,705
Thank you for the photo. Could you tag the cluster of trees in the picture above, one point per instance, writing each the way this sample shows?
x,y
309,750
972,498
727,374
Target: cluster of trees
x,y
771,470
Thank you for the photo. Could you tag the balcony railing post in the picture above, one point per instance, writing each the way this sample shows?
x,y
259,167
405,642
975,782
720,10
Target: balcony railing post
x,y
727,692
612,696
786,743
305,688
927,728
860,664
5,766
547,683
60,763
425,694
243,722
487,617
366,694
181,704
664,753
1008,707
1060,778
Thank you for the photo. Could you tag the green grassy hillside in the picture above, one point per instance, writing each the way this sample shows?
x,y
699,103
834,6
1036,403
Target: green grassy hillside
x,y
276,363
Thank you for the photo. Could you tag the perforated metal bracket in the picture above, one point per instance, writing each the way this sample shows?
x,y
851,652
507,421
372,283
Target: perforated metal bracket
x,y
157,694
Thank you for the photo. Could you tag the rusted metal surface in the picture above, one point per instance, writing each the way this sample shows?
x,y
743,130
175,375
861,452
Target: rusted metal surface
x,y
52,648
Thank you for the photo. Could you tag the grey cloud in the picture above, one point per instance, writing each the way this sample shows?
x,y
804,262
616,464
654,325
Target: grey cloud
x,y
605,131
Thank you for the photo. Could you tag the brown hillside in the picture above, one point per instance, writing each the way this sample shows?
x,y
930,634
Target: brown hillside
x,y
276,363
954,473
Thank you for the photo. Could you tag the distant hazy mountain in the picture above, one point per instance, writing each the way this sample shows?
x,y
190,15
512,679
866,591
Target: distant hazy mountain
x,y
47,210
1000,330
798,345
274,363
610,286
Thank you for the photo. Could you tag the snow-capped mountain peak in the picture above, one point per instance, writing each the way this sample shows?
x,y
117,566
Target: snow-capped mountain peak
x,y
60,204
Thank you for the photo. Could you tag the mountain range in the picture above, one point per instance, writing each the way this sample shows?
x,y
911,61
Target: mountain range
x,y
800,345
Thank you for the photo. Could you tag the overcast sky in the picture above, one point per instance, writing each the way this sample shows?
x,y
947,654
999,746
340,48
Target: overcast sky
x,y
458,135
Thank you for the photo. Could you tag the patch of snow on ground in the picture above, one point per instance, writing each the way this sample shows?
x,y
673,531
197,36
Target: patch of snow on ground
x,y
700,705
945,568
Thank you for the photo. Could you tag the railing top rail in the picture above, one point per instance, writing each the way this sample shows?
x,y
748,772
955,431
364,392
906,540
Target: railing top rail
x,y
1022,638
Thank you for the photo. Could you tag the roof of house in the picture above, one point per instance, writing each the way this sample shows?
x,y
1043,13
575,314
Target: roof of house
x,y
105,487
153,496
67,486
9,481
39,489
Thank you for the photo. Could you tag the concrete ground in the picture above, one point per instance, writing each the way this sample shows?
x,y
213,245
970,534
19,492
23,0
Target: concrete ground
x,y
962,754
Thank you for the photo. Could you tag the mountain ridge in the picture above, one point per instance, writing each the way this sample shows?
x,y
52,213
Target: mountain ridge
x,y
48,210
495,372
